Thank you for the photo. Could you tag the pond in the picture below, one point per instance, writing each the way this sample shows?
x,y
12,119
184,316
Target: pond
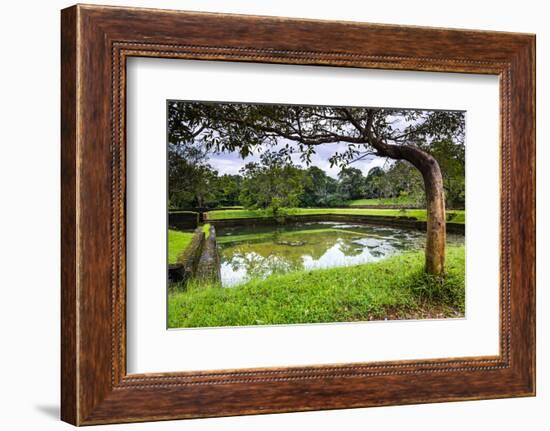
x,y
259,251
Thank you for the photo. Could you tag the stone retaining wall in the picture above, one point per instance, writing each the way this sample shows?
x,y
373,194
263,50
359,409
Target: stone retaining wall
x,y
186,265
200,260
397,222
208,268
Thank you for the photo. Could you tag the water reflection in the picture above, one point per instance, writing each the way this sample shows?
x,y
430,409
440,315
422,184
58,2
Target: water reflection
x,y
260,251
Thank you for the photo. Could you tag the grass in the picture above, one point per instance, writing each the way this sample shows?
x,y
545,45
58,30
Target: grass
x,y
455,216
177,242
393,288
236,213
181,212
232,207
400,200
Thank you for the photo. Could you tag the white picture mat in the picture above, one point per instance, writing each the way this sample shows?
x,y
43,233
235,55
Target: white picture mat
x,y
153,348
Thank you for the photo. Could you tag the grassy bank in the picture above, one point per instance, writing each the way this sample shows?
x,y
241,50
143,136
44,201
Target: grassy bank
x,y
394,288
455,216
177,242
400,200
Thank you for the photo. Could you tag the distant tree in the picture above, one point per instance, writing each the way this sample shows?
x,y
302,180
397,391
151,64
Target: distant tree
x,y
228,188
334,200
318,187
374,183
190,177
351,183
451,159
272,184
190,184
403,179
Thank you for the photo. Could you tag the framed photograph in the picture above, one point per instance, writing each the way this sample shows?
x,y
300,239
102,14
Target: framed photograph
x,y
266,215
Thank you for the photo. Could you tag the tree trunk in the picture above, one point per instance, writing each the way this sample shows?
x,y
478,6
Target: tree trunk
x,y
435,198
436,229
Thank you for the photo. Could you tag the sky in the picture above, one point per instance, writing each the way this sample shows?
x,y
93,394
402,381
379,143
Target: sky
x,y
231,163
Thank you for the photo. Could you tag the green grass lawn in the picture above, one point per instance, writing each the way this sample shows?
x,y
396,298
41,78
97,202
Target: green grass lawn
x,y
177,242
232,207
394,288
455,216
236,213
400,200
182,212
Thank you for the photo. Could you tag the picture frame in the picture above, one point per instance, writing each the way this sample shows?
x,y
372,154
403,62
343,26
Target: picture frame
x,y
96,41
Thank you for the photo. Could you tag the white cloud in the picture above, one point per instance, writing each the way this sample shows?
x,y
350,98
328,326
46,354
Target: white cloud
x,y
231,162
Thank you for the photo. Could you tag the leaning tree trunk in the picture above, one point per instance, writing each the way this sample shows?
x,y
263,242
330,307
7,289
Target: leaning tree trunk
x,y
436,229
435,198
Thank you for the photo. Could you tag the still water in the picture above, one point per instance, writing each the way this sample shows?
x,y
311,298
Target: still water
x,y
259,251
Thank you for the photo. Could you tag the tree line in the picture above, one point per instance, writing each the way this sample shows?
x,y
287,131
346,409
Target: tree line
x,y
275,182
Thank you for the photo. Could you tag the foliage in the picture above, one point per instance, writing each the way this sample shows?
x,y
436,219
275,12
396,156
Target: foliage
x,y
320,190
351,183
246,127
451,159
227,190
281,133
272,184
393,288
400,179
190,181
374,183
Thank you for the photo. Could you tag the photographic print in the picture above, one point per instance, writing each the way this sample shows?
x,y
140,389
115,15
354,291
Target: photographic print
x,y
283,213
294,214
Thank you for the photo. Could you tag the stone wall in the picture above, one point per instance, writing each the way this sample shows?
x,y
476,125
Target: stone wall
x,y
186,265
199,261
182,220
208,268
397,222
